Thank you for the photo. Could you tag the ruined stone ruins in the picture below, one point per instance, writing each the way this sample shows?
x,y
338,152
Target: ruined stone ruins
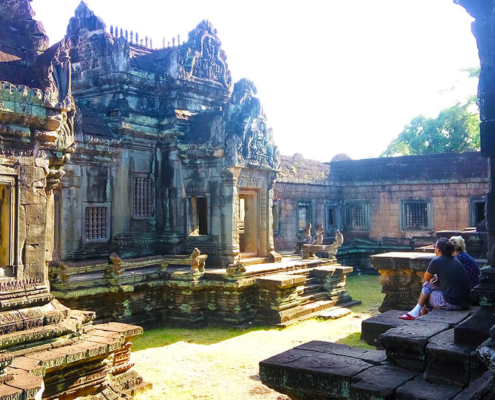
x,y
141,184
442,355
47,349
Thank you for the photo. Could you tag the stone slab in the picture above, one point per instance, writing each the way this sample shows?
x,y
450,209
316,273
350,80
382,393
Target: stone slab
x,y
10,393
448,363
478,389
476,329
447,317
335,314
375,357
125,329
310,374
420,389
406,344
379,383
373,327
281,280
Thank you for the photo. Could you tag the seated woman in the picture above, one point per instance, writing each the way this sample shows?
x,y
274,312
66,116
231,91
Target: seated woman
x,y
468,262
446,284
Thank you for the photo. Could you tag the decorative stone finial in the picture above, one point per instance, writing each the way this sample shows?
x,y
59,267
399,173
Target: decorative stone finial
x,y
207,26
121,32
126,35
146,40
137,38
132,37
116,31
173,42
111,30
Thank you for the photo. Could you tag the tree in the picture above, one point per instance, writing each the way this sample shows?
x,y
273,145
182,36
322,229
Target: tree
x,y
456,129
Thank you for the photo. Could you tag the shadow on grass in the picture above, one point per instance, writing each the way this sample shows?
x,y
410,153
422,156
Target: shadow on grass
x,y
354,340
161,337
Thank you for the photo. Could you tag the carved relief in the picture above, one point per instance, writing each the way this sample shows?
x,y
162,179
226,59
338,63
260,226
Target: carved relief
x,y
203,59
249,140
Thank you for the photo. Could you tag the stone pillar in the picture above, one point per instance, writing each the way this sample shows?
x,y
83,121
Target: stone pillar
x,y
482,28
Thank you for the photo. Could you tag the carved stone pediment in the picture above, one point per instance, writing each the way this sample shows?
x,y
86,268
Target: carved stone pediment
x,y
202,58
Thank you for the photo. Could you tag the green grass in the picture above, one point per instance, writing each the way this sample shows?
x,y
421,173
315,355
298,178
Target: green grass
x,y
166,336
366,288
354,340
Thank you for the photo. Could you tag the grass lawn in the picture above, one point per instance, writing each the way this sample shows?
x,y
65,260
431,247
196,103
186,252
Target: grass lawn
x,y
221,363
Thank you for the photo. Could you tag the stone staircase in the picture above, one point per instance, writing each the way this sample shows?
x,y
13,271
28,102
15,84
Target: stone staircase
x,y
420,360
304,293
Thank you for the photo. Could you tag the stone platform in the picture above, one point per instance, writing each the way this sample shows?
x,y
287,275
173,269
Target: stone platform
x,y
49,351
420,360
157,291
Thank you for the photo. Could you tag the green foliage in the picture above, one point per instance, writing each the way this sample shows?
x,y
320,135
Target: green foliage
x,y
456,129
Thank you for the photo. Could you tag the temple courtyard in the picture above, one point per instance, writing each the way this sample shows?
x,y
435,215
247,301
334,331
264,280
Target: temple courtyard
x,y
216,363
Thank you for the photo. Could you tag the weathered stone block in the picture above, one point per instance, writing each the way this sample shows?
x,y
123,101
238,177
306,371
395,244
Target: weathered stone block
x,y
406,344
373,327
420,389
379,383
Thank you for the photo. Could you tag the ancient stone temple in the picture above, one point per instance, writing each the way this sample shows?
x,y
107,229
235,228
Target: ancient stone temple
x,y
47,350
380,204
165,212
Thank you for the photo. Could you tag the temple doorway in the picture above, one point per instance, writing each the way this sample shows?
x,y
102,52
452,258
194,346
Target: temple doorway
x,y
248,224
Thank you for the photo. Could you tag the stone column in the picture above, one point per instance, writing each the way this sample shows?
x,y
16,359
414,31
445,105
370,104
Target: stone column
x,y
483,12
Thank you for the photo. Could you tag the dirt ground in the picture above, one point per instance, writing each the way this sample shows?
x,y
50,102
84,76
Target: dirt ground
x,y
228,369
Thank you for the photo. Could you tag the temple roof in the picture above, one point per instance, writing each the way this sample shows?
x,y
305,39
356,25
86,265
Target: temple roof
x,y
428,167
296,168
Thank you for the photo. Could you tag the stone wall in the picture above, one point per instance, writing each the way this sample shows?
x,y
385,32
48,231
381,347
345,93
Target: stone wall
x,y
447,185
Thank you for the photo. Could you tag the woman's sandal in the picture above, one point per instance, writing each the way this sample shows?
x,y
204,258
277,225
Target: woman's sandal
x,y
407,317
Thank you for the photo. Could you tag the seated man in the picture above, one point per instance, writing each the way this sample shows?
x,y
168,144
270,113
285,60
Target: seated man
x,y
446,284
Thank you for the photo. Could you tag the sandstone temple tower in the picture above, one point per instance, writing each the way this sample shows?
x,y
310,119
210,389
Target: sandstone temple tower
x,y
171,155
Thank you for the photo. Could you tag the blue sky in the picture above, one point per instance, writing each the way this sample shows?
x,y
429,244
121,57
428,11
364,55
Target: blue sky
x,y
334,76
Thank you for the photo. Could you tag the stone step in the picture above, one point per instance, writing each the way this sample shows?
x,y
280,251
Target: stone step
x,y
478,389
406,344
421,389
334,313
475,329
323,370
307,312
451,364
373,327
253,261
313,287
320,295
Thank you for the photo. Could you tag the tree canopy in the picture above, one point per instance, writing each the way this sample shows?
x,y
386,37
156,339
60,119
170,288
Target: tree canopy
x,y
456,129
